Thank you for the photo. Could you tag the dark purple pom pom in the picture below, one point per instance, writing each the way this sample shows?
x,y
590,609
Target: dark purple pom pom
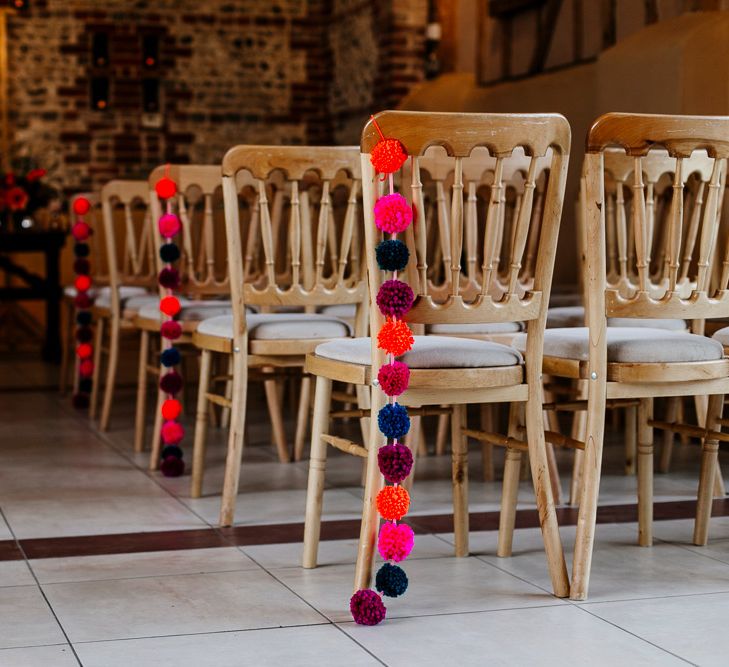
x,y
84,334
82,266
169,278
80,401
395,462
395,298
367,607
171,382
172,466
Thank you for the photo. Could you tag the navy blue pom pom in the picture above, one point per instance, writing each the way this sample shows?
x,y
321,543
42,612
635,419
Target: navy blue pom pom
x,y
391,580
171,450
169,252
392,255
170,357
83,318
84,385
81,249
393,420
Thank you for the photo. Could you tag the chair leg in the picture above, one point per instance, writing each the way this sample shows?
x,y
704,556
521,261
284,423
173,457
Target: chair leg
x,y
668,436
201,425
510,488
631,439
110,374
441,436
719,490
317,469
235,437
273,399
645,473
709,466
225,412
302,417
140,416
488,423
459,456
68,326
373,484
98,345
579,424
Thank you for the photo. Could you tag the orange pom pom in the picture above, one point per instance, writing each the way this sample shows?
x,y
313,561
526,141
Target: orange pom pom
x,y
170,305
171,409
393,503
395,337
388,156
82,283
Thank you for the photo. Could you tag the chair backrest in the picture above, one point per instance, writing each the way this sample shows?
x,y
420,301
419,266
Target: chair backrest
x,y
130,248
307,222
484,297
669,274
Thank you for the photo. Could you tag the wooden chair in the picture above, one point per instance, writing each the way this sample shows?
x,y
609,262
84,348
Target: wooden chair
x,y
318,187
132,274
451,370
632,365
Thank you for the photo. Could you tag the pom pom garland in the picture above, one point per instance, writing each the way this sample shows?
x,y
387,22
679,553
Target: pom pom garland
x,y
393,502
170,357
169,225
81,250
171,330
166,188
83,318
84,351
84,334
170,305
172,466
169,278
171,382
394,378
395,462
171,409
82,267
395,541
393,214
393,421
82,300
171,450
82,283
84,385
169,253
391,580
392,255
388,156
367,607
172,432
81,231
395,298
395,337
81,206
86,368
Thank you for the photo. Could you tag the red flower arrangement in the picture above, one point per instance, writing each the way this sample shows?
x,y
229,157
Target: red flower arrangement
x,y
23,192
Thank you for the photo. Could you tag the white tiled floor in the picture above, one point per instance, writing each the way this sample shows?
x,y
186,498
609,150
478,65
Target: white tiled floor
x,y
255,605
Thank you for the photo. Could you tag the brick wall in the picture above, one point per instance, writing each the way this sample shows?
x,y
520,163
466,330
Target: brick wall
x,y
230,71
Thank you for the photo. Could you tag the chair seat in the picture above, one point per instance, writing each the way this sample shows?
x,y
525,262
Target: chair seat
x,y
190,311
574,316
427,352
130,301
126,291
630,345
344,311
481,328
722,335
278,326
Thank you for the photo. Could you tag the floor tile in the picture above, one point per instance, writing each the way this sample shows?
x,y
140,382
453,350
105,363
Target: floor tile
x,y
131,566
154,606
25,619
39,656
15,573
314,646
548,637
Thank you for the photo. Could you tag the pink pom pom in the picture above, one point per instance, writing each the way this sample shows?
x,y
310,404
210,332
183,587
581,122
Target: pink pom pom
x,y
394,378
171,329
367,607
172,432
169,225
396,541
393,213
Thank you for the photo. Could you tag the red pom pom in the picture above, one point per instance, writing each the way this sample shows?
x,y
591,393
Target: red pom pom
x,y
388,156
166,188
393,503
82,283
171,409
172,467
367,607
171,330
170,305
393,214
172,432
86,368
81,231
394,378
82,300
84,351
395,337
81,206
169,225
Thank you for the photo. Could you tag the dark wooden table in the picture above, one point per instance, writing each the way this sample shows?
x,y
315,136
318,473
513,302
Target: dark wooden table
x,y
35,287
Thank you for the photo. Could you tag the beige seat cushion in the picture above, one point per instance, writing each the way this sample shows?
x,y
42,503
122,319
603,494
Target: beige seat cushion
x,y
722,335
125,291
428,352
465,329
630,345
128,301
574,316
190,311
345,311
278,326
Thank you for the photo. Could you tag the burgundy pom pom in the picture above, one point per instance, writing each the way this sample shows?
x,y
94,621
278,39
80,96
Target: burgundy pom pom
x,y
171,383
84,334
172,466
395,298
394,378
83,300
82,266
169,278
171,330
367,607
395,462
172,432
80,401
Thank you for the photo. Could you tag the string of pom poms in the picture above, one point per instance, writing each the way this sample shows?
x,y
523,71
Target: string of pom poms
x,y
172,432
393,215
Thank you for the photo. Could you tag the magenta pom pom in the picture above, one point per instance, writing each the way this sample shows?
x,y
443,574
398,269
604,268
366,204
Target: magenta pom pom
x,y
367,607
171,383
396,541
169,225
169,278
172,466
395,462
395,298
171,330
172,432
394,378
393,213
